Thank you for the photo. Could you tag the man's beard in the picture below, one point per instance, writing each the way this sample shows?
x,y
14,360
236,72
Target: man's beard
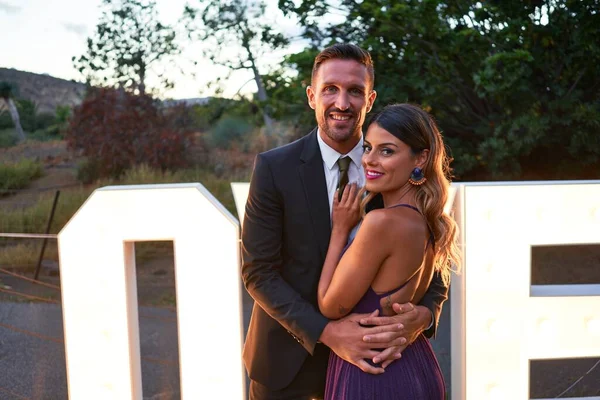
x,y
338,135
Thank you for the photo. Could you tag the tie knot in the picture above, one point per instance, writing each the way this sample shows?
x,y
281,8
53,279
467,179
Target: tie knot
x,y
343,163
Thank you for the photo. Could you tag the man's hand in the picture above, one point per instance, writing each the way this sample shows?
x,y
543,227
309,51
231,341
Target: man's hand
x,y
345,338
412,321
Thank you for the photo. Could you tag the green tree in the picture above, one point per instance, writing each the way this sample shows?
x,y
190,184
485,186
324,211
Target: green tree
x,y
236,34
514,84
129,43
286,88
7,93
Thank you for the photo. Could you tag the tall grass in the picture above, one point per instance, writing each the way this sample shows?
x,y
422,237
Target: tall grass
x,y
17,175
33,219
219,186
25,253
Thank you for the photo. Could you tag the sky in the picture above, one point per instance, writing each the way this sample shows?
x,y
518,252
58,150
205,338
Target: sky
x,y
42,36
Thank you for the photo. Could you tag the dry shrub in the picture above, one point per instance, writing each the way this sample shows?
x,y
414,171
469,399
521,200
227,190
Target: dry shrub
x,y
116,130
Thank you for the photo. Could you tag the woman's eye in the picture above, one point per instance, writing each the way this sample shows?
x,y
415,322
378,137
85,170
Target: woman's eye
x,y
387,152
366,149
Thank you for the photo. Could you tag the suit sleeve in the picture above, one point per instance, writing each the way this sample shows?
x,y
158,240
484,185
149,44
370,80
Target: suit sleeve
x,y
434,298
262,236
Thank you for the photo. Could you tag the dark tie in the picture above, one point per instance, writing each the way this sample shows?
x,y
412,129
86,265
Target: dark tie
x,y
344,164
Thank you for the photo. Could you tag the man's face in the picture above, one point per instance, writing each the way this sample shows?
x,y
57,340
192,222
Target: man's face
x,y
341,96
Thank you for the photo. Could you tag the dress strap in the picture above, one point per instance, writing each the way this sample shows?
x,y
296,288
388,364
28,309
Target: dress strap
x,y
388,292
407,206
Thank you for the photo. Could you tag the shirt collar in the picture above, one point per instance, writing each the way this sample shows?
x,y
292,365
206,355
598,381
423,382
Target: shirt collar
x,y
330,156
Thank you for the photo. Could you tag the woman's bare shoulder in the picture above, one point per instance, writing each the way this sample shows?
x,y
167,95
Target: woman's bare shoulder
x,y
396,222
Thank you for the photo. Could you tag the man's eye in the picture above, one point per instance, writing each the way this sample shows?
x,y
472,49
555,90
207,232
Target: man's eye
x,y
356,92
330,89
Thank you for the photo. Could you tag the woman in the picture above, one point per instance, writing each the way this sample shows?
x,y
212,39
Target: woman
x,y
398,247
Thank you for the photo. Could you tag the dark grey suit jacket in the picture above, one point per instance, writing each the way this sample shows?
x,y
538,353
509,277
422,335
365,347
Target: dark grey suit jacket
x,y
285,237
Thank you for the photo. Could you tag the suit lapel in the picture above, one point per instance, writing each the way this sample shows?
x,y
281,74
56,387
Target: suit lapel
x,y
315,188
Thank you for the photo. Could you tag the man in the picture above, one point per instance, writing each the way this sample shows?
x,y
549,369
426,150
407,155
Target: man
x,y
285,239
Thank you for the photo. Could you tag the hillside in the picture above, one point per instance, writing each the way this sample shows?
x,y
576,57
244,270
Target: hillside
x,y
44,90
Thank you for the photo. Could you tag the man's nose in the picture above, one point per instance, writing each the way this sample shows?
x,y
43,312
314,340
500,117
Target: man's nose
x,y
342,103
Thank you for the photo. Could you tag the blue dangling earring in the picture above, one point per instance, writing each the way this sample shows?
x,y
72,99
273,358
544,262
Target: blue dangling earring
x,y
417,178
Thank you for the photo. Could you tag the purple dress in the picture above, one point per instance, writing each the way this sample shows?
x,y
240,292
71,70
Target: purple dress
x,y
415,376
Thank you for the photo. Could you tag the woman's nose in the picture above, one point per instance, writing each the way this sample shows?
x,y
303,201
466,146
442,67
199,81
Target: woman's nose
x,y
369,159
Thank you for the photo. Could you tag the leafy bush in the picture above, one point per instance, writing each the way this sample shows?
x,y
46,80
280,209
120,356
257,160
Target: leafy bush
x,y
8,137
43,135
62,117
118,130
6,121
229,130
50,126
44,121
27,114
18,175
88,171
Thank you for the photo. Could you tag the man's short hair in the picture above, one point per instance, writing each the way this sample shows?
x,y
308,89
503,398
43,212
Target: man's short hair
x,y
345,51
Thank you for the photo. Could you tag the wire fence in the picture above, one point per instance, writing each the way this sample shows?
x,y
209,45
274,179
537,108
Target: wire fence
x,y
38,190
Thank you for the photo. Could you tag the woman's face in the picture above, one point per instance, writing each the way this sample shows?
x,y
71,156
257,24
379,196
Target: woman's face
x,y
387,160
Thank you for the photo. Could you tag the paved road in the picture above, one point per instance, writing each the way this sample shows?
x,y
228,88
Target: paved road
x,y
33,363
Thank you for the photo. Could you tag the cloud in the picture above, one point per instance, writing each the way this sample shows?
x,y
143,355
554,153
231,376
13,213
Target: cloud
x,y
9,8
78,29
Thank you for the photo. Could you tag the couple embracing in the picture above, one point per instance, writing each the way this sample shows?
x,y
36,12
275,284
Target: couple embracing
x,y
346,249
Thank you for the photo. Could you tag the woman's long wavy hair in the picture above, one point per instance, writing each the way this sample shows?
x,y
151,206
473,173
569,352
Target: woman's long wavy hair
x,y
417,129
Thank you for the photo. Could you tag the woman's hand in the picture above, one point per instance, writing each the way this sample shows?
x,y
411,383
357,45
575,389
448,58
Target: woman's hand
x,y
346,212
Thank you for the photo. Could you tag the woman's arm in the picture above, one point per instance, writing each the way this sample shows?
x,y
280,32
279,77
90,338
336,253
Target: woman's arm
x,y
345,216
383,233
338,240
343,283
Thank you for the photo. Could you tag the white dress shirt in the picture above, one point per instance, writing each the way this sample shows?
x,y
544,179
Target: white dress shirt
x,y
332,171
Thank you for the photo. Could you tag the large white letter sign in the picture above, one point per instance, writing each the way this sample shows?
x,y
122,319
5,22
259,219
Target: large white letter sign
x,y
499,321
240,196
99,295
